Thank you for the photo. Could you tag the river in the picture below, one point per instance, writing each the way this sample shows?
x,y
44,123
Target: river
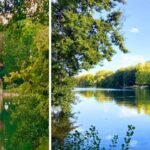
x,y
111,111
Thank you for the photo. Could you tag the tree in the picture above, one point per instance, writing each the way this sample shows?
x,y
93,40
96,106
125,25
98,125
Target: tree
x,y
123,77
85,80
19,39
37,10
129,76
25,56
30,55
101,76
143,74
80,41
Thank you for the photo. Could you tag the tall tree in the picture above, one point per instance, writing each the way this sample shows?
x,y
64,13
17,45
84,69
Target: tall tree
x,y
80,40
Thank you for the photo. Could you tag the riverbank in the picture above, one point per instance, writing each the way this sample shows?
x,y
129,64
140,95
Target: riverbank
x,y
8,93
125,87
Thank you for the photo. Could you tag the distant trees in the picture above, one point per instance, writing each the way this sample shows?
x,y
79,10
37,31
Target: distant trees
x,y
129,76
86,80
101,76
143,74
123,77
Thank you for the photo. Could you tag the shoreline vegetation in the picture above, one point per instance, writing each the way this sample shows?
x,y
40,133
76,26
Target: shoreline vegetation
x,y
128,87
125,78
80,41
90,140
24,69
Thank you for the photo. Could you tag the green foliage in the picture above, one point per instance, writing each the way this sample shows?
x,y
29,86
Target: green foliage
x,y
100,77
129,76
80,41
37,10
19,38
143,74
30,117
128,137
24,53
90,140
77,140
27,67
62,96
30,52
124,77
114,142
32,68
85,80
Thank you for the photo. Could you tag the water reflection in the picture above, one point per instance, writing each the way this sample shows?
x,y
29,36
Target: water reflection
x,y
139,99
6,106
112,110
62,125
5,127
1,102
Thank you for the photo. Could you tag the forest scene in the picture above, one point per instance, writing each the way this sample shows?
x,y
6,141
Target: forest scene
x,y
100,75
24,62
130,77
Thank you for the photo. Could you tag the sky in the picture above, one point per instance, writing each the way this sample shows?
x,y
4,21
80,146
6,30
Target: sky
x,y
136,31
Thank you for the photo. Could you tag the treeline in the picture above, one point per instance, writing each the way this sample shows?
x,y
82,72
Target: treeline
x,y
125,77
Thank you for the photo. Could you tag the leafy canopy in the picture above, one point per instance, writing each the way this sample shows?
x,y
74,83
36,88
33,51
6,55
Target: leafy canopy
x,y
80,40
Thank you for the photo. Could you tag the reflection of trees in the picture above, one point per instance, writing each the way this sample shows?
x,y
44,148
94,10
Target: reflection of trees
x,y
63,122
6,128
1,134
143,101
120,97
1,101
102,97
31,126
87,94
23,123
62,125
139,99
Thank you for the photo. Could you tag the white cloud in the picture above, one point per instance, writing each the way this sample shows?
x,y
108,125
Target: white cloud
x,y
134,30
133,143
108,137
130,60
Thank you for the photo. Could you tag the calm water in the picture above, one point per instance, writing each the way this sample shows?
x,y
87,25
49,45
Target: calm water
x,y
111,111
7,126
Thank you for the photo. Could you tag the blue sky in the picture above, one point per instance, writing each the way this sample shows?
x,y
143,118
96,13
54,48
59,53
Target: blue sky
x,y
136,30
